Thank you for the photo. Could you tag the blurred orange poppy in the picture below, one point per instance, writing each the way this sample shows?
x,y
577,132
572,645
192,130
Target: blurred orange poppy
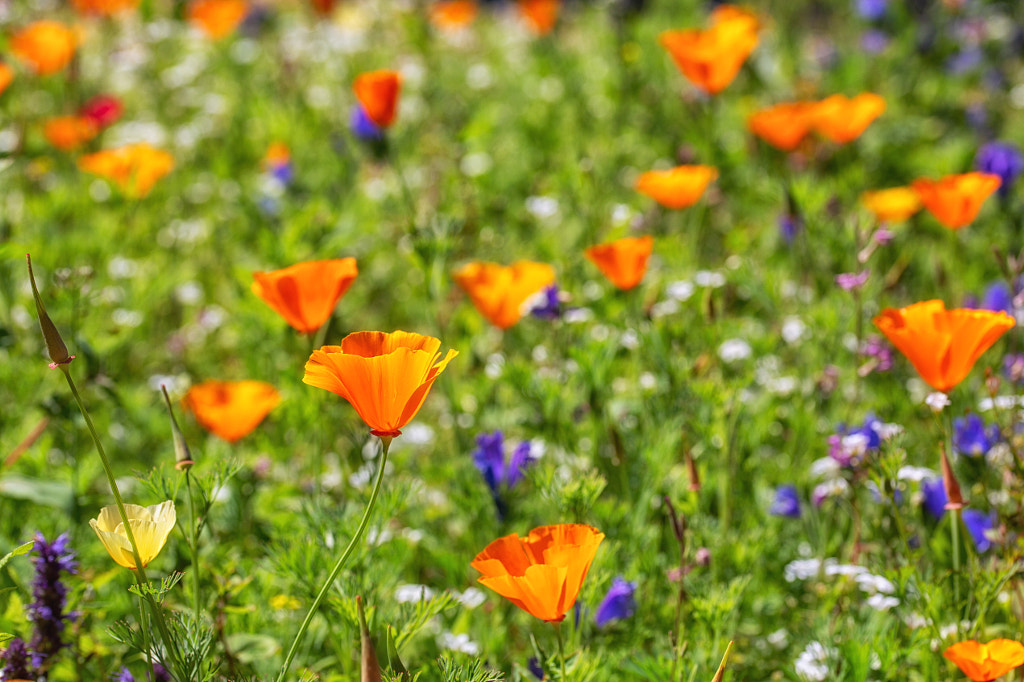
x,y
323,7
710,59
217,18
542,573
842,120
941,344
783,126
305,294
68,133
134,168
893,205
385,377
986,662
540,15
47,46
453,15
623,261
499,291
377,92
103,7
956,199
678,187
6,76
231,409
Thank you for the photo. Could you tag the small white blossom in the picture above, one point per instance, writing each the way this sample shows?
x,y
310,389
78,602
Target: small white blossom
x,y
937,401
734,350
813,662
880,602
461,643
915,474
408,594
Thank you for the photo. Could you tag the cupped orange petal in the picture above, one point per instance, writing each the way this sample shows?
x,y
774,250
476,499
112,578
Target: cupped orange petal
x,y
103,7
941,344
986,662
678,187
231,409
377,92
305,294
543,572
842,119
893,205
453,15
623,261
498,292
710,59
385,377
217,18
6,76
46,46
134,168
540,15
956,199
69,133
783,126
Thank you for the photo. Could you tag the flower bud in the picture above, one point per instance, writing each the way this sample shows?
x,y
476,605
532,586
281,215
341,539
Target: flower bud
x,y
955,499
182,457
55,346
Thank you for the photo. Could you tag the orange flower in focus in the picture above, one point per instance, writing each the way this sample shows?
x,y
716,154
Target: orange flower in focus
x,y
542,573
842,119
499,291
68,133
453,15
47,46
783,126
377,92
231,409
134,168
892,205
623,261
986,662
217,18
678,187
956,199
103,7
540,15
710,59
305,294
6,76
385,377
941,344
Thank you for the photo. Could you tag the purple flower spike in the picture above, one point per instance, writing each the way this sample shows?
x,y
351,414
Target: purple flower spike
x,y
1002,159
15,658
978,522
971,436
618,604
934,497
124,675
363,127
489,458
787,502
47,610
998,298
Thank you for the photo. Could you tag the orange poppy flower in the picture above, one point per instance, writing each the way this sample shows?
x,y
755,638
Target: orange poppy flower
x,y
217,18
305,294
542,573
377,92
103,7
68,133
783,126
540,15
499,291
986,662
892,205
453,15
231,409
710,59
385,377
47,46
323,7
678,187
956,199
842,119
6,76
623,261
134,168
941,344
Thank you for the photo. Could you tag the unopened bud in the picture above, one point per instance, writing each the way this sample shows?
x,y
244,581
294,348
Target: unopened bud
x,y
703,557
691,468
182,457
55,346
369,667
955,499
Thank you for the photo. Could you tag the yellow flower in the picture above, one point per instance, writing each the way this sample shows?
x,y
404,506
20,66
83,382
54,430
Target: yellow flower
x,y
150,526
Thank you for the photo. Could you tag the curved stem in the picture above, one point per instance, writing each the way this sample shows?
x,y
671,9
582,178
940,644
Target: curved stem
x,y
386,442
193,546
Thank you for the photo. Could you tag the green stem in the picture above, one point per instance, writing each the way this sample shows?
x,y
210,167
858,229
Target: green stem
x,y
386,443
955,531
193,546
561,649
144,622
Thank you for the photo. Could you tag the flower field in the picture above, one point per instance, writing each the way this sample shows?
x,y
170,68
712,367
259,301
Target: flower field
x,y
471,341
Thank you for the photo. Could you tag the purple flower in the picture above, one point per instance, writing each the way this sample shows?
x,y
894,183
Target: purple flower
x,y
997,298
548,305
876,349
872,10
1013,367
124,675
978,522
790,226
849,446
15,658
874,41
934,497
964,61
1002,159
535,667
47,610
489,458
972,437
363,127
618,604
848,281
787,502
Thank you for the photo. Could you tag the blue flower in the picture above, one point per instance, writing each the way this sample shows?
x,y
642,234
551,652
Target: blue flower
x,y
363,127
47,609
618,604
872,10
489,458
790,226
1002,159
124,675
548,305
934,497
972,437
787,502
977,523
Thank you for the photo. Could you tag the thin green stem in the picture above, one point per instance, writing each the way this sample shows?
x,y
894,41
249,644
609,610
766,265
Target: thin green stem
x,y
146,637
386,443
193,545
561,649
955,518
